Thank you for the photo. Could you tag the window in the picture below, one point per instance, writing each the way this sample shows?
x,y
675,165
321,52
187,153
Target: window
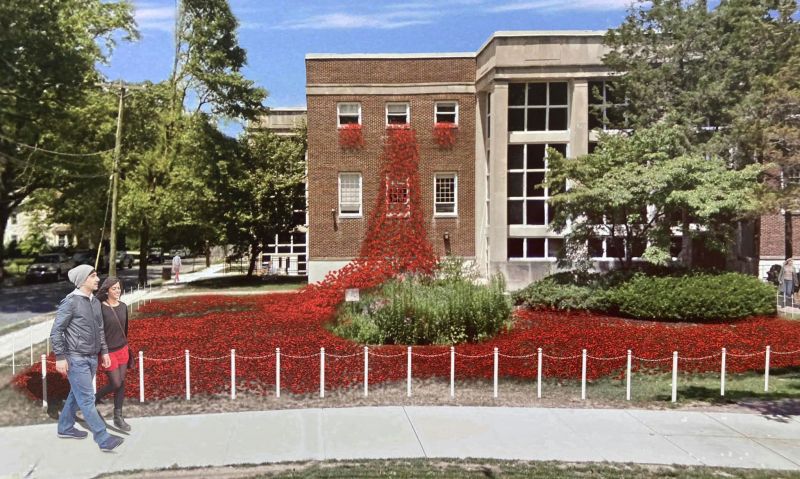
x,y
14,238
398,203
62,240
446,112
538,106
348,113
791,175
532,248
445,194
13,218
607,247
527,199
398,113
350,194
606,109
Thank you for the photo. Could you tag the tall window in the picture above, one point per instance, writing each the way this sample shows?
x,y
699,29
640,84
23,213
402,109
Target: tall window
x,y
398,113
13,218
445,200
62,240
446,112
527,199
350,194
606,109
398,202
538,106
348,113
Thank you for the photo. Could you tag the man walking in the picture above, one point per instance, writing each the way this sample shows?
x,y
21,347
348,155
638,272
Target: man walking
x,y
176,267
77,338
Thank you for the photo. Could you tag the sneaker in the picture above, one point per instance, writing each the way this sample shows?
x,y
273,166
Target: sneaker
x,y
111,443
73,433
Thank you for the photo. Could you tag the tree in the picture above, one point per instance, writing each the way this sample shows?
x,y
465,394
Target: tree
x,y
50,49
206,78
633,188
268,187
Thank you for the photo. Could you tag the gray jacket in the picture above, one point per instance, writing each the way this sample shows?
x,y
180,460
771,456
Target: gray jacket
x,y
78,328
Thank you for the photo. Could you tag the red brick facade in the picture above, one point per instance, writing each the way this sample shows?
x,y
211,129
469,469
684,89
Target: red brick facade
x,y
772,239
335,238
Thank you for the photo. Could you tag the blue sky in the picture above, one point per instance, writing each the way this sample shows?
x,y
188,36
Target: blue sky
x,y
277,34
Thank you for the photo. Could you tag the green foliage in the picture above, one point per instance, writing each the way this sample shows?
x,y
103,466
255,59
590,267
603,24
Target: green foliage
x,y
33,244
702,297
425,311
638,187
663,294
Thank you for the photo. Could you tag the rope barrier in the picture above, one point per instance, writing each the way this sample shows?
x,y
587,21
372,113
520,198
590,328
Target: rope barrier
x,y
522,356
165,359
476,356
430,355
562,357
284,355
239,356
652,360
209,359
745,355
786,352
371,353
615,358
701,358
341,356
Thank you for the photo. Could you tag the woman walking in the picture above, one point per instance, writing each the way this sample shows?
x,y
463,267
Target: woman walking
x,y
788,282
115,324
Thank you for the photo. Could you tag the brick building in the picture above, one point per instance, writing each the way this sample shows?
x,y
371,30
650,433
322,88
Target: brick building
x,y
520,93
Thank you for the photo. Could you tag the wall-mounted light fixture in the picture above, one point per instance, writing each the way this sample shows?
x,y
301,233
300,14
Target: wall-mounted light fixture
x,y
333,218
446,237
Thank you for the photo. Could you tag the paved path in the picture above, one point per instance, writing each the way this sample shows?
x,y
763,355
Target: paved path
x,y
39,330
650,437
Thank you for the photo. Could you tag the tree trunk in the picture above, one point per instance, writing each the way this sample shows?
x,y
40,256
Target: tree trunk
x,y
144,250
254,250
5,213
787,232
207,251
685,256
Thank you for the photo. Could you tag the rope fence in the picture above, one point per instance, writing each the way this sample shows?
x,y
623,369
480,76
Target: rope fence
x,y
410,354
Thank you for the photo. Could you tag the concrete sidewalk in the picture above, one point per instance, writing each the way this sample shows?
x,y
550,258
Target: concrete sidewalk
x,y
651,437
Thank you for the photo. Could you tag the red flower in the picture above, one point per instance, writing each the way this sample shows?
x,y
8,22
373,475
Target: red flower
x,y
445,134
351,137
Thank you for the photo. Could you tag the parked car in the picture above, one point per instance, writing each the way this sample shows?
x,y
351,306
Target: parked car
x,y
88,257
155,256
48,266
124,260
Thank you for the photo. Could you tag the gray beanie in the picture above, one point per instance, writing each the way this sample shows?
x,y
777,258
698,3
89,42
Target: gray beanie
x,y
79,274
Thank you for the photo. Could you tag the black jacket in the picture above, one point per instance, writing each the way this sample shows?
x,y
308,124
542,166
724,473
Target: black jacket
x,y
78,328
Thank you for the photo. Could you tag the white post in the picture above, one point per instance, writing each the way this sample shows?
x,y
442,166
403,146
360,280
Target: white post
x,y
277,372
141,376
13,354
674,376
233,373
722,374
495,372
539,373
30,339
188,383
322,372
408,376
452,371
366,371
628,379
48,345
766,371
44,381
583,375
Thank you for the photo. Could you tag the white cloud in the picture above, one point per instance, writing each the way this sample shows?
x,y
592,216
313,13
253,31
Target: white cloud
x,y
149,16
561,5
369,20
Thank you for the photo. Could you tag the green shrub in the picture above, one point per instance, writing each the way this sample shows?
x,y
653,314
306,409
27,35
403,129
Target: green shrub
x,y
556,293
700,297
422,311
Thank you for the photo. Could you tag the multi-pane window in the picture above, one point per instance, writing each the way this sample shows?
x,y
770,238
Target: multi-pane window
x,y
530,248
445,194
348,113
446,112
398,203
62,239
350,194
606,108
527,199
398,113
538,106
609,248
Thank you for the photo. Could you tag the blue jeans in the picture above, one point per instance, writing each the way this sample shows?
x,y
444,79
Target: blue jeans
x,y
81,395
788,288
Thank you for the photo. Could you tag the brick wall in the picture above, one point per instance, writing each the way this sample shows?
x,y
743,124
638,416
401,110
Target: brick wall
x,y
398,71
772,236
326,159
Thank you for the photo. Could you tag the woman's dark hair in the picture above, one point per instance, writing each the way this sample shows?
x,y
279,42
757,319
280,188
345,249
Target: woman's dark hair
x,y
102,293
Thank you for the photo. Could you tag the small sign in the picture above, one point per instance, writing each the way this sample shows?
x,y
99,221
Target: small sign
x,y
351,295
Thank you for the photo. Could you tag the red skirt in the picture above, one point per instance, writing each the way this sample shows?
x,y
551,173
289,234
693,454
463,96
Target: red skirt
x,y
118,358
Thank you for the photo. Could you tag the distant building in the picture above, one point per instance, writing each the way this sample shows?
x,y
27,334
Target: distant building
x,y
23,223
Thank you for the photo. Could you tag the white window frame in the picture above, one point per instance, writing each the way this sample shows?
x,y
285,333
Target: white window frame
x,y
547,106
408,112
454,213
339,112
547,253
436,111
360,195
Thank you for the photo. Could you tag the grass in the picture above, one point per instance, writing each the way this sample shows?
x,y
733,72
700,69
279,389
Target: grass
x,y
459,469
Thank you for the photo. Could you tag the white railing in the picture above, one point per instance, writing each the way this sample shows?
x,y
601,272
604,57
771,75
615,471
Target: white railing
x,y
584,358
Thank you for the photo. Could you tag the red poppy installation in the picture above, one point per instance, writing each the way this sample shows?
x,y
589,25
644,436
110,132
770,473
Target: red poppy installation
x,y
444,133
351,136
